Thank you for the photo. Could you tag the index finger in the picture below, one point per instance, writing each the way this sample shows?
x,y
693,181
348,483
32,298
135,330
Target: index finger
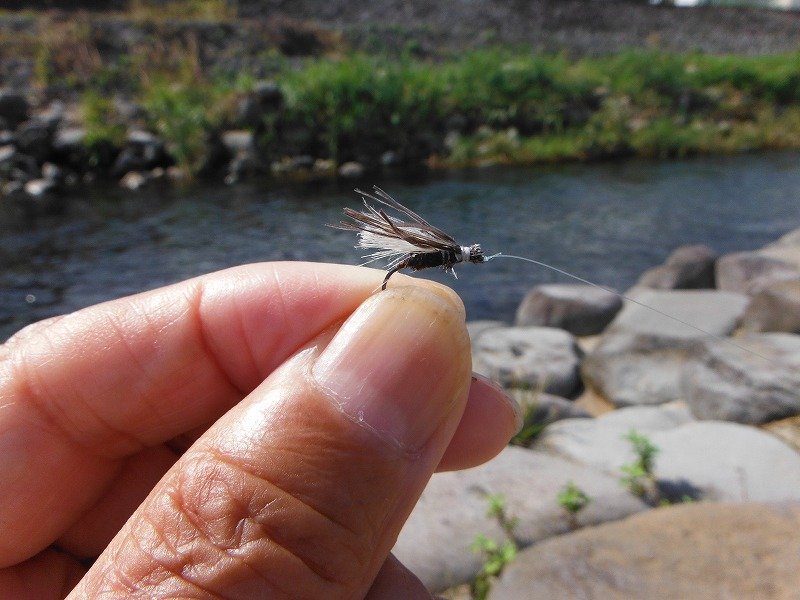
x,y
134,372
80,394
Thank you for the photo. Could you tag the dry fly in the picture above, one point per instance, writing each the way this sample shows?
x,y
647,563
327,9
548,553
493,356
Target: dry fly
x,y
409,242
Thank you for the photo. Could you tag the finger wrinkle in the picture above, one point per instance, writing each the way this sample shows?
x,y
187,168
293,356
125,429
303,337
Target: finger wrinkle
x,y
193,569
262,514
195,302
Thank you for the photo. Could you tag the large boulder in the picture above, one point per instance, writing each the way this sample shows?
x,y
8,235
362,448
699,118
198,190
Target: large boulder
x,y
775,308
641,356
579,309
688,267
541,358
435,542
708,460
688,551
14,108
751,272
756,381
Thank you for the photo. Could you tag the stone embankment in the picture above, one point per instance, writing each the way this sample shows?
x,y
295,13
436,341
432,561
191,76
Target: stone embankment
x,y
720,407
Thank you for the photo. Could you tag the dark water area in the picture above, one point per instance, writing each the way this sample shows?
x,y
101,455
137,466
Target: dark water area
x,y
604,222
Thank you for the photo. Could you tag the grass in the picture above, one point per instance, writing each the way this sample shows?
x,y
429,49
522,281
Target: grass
x,y
494,105
497,555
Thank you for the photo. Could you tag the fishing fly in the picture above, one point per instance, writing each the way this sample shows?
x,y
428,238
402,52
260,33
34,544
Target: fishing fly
x,y
410,242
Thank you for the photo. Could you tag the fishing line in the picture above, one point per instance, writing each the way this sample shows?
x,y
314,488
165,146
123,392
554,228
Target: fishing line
x,y
720,338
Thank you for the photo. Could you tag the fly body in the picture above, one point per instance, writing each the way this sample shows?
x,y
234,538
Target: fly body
x,y
407,240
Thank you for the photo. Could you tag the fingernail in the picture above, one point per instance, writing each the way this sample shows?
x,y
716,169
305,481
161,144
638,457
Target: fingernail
x,y
519,417
398,364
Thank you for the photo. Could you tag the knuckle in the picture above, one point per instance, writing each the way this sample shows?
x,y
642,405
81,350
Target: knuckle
x,y
235,526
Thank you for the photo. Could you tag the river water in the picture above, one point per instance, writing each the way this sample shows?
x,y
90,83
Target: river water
x,y
604,222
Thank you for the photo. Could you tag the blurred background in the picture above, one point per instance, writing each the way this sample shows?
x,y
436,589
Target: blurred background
x,y
146,141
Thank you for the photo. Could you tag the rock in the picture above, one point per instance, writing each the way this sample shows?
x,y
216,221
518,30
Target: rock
x,y
13,189
541,409
580,309
731,384
708,460
70,141
133,180
390,159
475,328
35,138
775,308
14,108
265,98
351,170
750,272
541,358
143,151
52,115
600,443
435,542
239,140
688,267
641,355
53,172
7,156
676,552
40,187
788,240
786,430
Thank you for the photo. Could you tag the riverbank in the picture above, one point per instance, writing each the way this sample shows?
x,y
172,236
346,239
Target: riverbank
x,y
107,96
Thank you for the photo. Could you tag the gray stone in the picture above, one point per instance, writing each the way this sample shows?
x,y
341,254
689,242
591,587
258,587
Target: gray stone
x,y
351,170
580,309
688,267
600,443
775,308
133,180
788,240
756,383
435,542
709,460
69,139
544,409
689,551
641,356
240,140
541,358
7,155
476,328
265,98
13,108
35,139
40,187
726,462
750,272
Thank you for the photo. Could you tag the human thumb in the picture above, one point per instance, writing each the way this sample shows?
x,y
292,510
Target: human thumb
x,y
301,489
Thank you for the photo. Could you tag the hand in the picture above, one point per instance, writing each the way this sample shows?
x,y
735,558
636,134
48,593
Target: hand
x,y
259,432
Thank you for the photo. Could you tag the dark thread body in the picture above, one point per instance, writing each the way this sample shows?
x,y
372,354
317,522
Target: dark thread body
x,y
447,259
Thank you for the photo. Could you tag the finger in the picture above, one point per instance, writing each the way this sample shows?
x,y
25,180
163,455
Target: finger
x,y
488,422
300,490
396,582
94,387
490,419
49,574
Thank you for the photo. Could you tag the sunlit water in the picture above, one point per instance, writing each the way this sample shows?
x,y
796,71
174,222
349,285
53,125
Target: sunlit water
x,y
604,222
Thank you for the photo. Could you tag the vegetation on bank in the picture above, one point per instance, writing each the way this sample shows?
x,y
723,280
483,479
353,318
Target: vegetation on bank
x,y
487,106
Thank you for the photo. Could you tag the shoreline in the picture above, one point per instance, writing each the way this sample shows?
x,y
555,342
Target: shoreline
x,y
97,97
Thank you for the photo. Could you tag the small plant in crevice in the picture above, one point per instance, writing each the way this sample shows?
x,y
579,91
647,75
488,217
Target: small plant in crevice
x,y
573,500
497,554
639,476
